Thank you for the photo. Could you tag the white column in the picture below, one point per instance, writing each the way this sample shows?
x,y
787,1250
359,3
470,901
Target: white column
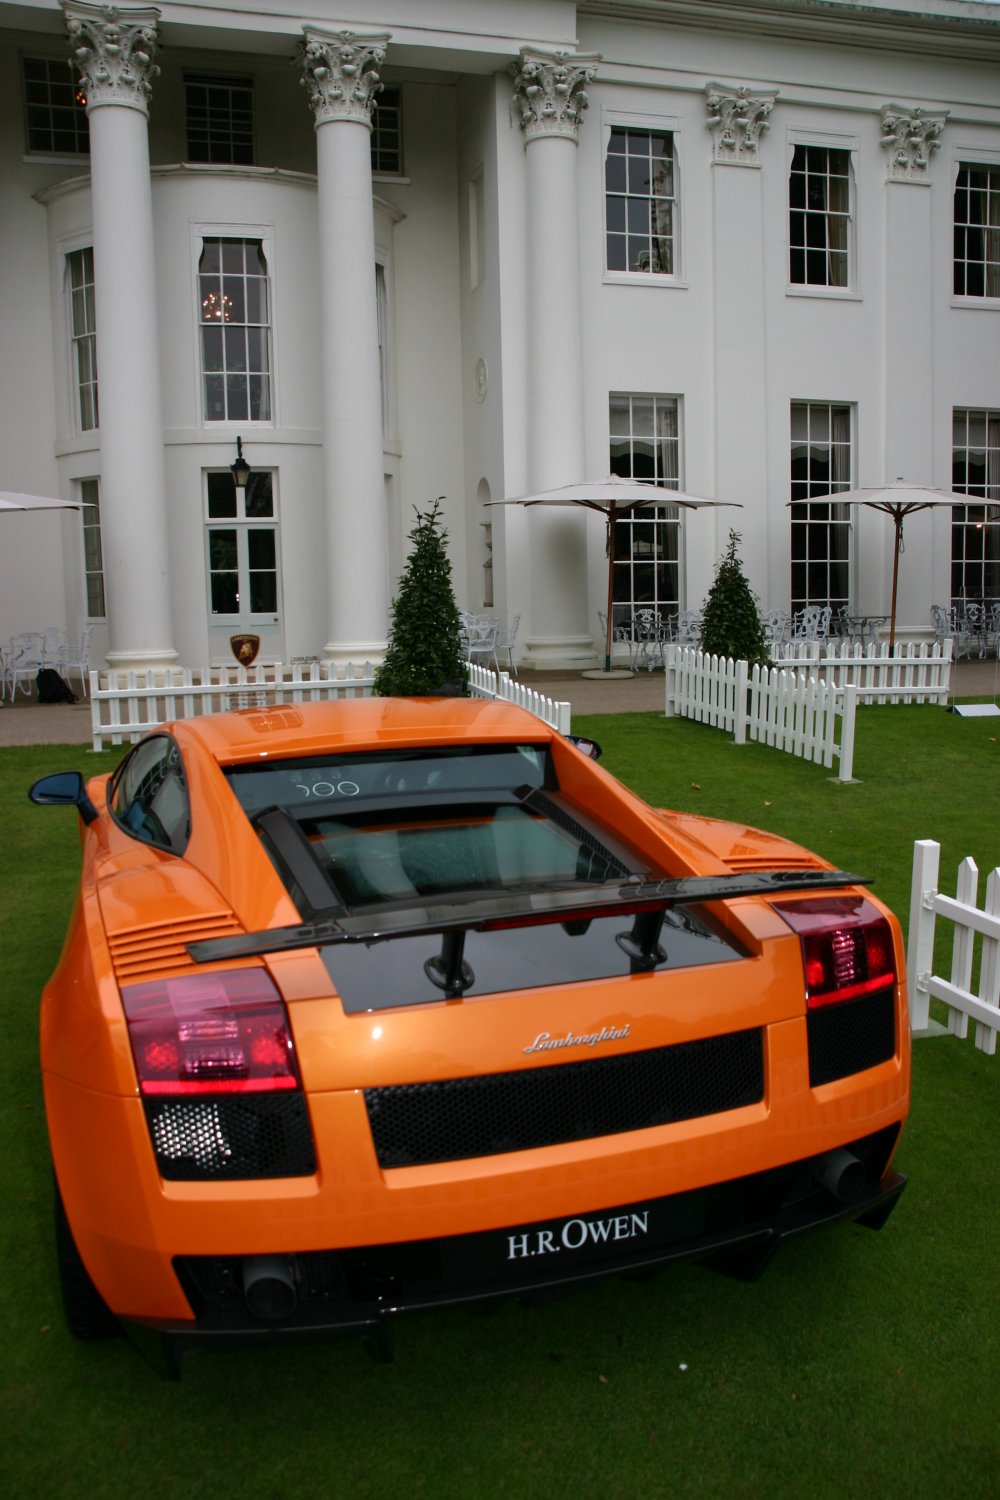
x,y
910,139
549,91
340,72
112,52
737,120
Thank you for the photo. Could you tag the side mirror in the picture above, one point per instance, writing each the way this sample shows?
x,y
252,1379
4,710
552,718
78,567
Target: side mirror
x,y
64,789
590,748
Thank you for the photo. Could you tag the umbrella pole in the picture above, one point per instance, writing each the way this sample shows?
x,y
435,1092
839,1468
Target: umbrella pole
x,y
610,550
895,575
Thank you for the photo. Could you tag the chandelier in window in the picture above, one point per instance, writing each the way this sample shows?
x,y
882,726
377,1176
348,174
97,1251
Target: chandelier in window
x,y
216,308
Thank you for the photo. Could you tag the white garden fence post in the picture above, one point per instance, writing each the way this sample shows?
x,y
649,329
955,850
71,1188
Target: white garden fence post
x,y
920,945
846,771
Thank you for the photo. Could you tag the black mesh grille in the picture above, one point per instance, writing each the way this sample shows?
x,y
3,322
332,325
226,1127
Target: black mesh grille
x,y
847,1038
245,1135
467,1117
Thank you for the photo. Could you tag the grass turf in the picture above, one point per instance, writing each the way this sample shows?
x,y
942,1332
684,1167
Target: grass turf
x,y
862,1364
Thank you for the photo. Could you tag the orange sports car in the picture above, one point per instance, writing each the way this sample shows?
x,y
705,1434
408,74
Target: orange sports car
x,y
387,1004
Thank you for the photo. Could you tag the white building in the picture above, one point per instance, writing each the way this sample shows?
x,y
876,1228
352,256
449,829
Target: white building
x,y
471,248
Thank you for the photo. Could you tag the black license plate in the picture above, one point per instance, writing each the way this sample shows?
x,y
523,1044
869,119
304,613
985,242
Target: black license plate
x,y
562,1246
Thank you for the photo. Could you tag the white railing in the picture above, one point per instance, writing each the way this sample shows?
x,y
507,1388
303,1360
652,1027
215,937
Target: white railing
x,y
970,920
484,683
126,705
915,672
781,708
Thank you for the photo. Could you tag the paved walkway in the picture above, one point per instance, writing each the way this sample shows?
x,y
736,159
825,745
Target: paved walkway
x,y
29,723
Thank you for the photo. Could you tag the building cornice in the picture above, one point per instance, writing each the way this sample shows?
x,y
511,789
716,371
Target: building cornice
x,y
944,28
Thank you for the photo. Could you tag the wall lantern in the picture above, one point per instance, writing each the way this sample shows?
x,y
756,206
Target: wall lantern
x,y
240,469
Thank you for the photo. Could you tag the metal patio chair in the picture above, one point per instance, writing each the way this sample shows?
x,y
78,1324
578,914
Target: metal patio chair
x,y
507,644
25,657
481,641
77,659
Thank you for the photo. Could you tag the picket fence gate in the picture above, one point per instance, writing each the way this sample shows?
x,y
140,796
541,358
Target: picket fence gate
x,y
969,921
778,707
915,671
126,705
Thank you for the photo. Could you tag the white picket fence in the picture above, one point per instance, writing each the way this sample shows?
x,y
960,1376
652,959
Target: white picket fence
x,y
969,920
785,709
126,705
484,683
915,672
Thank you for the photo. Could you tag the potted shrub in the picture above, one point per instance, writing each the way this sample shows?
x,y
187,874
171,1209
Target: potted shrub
x,y
424,657
730,619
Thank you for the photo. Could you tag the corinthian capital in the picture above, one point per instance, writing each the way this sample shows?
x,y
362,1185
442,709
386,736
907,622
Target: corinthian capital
x,y
909,139
340,70
550,91
113,50
737,120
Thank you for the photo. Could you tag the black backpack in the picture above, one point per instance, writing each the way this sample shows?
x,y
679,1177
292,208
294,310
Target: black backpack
x,y
52,688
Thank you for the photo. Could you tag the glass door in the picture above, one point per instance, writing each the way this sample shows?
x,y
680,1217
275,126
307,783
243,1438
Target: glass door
x,y
242,565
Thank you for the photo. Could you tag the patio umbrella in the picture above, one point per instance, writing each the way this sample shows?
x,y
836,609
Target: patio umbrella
x,y
613,498
10,500
897,500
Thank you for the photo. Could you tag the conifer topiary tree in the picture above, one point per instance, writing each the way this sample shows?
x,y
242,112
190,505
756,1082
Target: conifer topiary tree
x,y
425,653
730,619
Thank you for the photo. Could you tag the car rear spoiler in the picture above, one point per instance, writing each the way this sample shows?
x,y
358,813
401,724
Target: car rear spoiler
x,y
645,901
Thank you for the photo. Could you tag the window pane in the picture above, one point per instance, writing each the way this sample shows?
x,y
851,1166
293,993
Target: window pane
x,y
224,576
80,275
55,108
615,172
263,570
222,549
819,204
644,445
820,542
263,593
977,232
93,558
260,544
975,530
211,348
233,257
260,398
639,199
259,497
236,349
219,119
215,398
221,496
234,310
236,397
386,136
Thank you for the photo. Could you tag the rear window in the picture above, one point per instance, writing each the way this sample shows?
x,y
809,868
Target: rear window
x,y
413,825
402,837
338,779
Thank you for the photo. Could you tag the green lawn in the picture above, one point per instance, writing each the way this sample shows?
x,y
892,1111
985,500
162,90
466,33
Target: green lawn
x,y
861,1365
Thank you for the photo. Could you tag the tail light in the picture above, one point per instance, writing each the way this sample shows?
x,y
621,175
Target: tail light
x,y
847,948
218,1033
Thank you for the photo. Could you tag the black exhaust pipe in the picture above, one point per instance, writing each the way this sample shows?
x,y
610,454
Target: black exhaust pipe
x,y
843,1175
269,1287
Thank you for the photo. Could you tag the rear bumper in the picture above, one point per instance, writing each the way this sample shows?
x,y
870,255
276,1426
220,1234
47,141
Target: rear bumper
x,y
736,1225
